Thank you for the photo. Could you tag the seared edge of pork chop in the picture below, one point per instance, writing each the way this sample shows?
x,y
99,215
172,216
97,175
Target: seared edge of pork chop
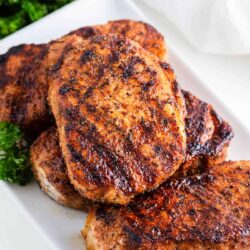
x,y
207,211
143,33
120,117
50,171
208,136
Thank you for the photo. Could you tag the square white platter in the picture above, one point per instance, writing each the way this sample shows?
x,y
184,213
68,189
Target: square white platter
x,y
60,226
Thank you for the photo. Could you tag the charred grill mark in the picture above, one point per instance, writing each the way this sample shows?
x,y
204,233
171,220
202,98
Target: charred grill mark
x,y
65,89
55,67
146,86
113,161
100,71
114,56
44,51
73,81
128,71
76,156
107,217
88,92
129,68
71,113
87,56
166,66
18,110
90,108
140,163
134,240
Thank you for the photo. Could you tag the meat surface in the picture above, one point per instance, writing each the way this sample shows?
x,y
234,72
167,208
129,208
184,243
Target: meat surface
x,y
23,89
202,126
143,33
207,211
24,71
120,118
50,171
208,136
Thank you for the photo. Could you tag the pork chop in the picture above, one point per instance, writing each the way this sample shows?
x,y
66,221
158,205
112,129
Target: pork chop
x,y
207,211
120,118
50,171
23,89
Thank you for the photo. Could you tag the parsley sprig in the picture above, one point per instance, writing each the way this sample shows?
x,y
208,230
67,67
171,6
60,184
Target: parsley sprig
x,y
15,14
14,155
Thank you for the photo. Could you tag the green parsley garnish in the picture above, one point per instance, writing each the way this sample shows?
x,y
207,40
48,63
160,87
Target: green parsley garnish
x,y
15,14
14,155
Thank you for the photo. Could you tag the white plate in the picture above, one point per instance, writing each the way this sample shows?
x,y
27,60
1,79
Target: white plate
x,y
58,225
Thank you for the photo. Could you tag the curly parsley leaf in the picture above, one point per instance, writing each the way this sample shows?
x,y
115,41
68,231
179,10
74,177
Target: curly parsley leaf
x,y
14,156
15,14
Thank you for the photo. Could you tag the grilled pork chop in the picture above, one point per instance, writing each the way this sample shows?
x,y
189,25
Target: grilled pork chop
x,y
23,89
24,71
207,211
120,118
50,171
203,126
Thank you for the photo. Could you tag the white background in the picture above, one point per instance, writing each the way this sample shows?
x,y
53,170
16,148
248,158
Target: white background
x,y
227,76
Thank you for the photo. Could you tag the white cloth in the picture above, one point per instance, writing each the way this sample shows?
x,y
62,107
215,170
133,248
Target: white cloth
x,y
211,26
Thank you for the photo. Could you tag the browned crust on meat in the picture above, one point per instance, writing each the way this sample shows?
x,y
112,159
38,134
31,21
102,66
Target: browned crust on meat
x,y
207,211
207,132
143,33
23,89
119,116
50,171
208,136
